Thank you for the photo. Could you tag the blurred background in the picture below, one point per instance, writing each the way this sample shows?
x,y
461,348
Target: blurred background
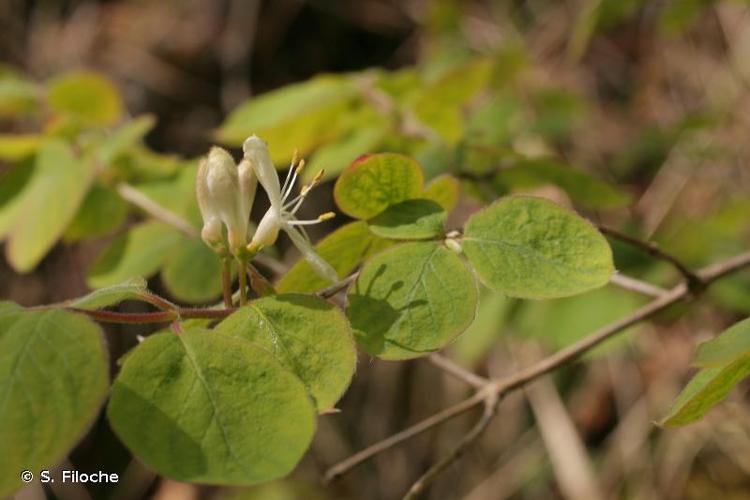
x,y
636,113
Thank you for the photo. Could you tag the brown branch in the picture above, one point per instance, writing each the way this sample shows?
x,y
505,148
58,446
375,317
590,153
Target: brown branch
x,y
459,372
694,281
503,386
635,285
490,408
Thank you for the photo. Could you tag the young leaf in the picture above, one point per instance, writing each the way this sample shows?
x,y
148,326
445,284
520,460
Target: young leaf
x,y
732,344
192,272
132,289
48,203
531,248
306,334
374,182
207,408
140,252
53,380
410,220
85,96
707,388
443,189
411,300
345,249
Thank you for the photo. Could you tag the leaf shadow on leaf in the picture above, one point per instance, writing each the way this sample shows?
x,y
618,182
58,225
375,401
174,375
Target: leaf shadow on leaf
x,y
183,456
305,301
371,328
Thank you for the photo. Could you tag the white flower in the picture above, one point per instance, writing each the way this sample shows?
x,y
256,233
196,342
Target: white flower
x,y
225,196
281,214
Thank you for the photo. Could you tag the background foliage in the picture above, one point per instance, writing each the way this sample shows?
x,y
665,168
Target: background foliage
x,y
631,113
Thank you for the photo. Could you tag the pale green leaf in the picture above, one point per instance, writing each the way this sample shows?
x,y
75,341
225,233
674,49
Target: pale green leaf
x,y
410,220
17,96
85,96
531,248
706,389
207,408
486,329
731,344
192,272
334,157
301,116
443,189
132,289
139,252
48,203
306,334
53,380
374,182
411,300
344,249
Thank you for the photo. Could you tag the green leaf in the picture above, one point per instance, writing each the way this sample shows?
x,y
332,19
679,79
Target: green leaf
x,y
306,334
49,202
531,248
177,194
705,390
583,189
411,300
53,380
439,105
410,220
334,157
132,289
192,272
345,249
13,182
732,344
207,408
124,138
14,147
102,211
301,116
443,189
140,252
374,182
85,96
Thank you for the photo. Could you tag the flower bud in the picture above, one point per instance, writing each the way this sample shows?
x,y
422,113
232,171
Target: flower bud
x,y
226,196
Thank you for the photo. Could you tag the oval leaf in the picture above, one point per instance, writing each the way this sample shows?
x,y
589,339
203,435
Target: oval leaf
x,y
410,220
531,248
53,380
133,289
411,300
374,182
207,408
308,335
443,189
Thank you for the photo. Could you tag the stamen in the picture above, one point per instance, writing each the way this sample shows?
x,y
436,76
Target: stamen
x,y
326,216
287,189
306,222
301,166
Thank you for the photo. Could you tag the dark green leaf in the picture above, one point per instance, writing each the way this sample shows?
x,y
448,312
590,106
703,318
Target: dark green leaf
x,y
410,220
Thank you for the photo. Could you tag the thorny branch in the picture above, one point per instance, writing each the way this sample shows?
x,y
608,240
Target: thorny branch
x,y
492,391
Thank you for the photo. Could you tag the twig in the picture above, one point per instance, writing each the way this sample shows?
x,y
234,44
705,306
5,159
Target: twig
x,y
635,285
131,194
490,408
226,281
242,275
457,371
503,386
694,281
